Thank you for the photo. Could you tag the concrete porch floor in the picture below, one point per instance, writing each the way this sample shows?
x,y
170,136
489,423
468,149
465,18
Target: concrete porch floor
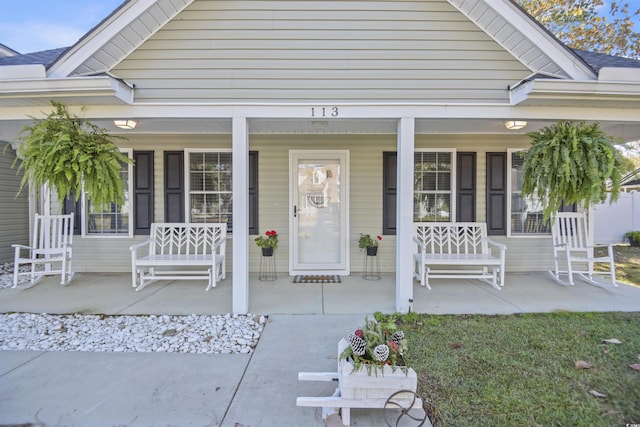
x,y
113,294
259,389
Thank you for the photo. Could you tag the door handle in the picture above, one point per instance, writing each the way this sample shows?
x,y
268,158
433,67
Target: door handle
x,y
295,211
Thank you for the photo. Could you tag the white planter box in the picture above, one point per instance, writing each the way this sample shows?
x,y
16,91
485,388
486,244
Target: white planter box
x,y
379,382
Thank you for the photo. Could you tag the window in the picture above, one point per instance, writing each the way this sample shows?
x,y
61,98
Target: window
x,y
525,212
434,181
209,192
116,220
433,186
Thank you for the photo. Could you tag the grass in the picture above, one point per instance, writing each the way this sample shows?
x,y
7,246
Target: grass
x,y
519,370
627,259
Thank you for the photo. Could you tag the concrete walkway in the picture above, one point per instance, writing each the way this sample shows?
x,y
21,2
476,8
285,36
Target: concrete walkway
x,y
305,324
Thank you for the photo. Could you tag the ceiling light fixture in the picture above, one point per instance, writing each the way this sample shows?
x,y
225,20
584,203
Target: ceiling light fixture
x,y
319,124
125,124
515,124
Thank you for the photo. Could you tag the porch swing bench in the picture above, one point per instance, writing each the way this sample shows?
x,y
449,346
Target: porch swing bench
x,y
441,246
180,251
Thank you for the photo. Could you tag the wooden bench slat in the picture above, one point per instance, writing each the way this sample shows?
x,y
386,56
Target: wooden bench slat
x,y
460,244
180,245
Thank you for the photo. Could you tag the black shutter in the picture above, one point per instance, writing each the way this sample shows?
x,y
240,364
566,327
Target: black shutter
x,y
174,186
496,193
253,193
143,191
466,181
389,191
71,206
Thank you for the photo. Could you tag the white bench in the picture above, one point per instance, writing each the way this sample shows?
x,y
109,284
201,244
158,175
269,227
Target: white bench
x,y
184,248
459,244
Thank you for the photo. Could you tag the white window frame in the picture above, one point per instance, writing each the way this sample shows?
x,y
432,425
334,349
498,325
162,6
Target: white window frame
x,y
187,175
85,207
510,152
452,191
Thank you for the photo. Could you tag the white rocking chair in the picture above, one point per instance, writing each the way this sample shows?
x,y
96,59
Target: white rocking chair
x,y
571,248
50,248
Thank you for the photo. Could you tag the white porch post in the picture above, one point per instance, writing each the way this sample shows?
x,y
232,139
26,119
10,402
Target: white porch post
x,y
240,190
404,215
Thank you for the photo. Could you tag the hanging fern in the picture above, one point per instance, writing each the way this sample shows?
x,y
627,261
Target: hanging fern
x,y
72,156
572,163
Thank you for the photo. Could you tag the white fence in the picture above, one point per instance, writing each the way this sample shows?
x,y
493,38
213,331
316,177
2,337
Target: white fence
x,y
611,222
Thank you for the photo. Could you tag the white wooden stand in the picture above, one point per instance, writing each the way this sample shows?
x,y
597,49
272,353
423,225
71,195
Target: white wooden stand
x,y
363,389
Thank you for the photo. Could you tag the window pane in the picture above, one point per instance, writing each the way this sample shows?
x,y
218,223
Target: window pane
x,y
196,162
210,181
526,212
225,162
197,181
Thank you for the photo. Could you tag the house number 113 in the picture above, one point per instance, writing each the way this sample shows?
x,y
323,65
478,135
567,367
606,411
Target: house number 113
x,y
324,112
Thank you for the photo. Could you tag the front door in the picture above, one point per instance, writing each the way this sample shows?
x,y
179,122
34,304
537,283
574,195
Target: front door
x,y
319,194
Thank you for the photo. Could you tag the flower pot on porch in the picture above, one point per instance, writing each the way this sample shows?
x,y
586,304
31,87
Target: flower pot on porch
x,y
372,251
634,242
267,251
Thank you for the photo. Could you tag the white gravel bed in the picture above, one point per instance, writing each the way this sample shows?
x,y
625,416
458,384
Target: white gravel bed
x,y
220,334
6,275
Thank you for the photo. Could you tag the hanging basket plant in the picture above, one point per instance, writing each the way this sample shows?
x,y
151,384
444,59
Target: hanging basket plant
x,y
571,163
72,156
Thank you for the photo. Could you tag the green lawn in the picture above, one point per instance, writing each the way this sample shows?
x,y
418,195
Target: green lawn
x,y
519,370
627,260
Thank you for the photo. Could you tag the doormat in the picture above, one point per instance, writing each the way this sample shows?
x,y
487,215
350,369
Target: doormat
x,y
317,279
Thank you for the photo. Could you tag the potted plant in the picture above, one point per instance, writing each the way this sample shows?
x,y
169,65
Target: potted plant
x,y
571,163
268,242
371,362
72,156
633,237
369,243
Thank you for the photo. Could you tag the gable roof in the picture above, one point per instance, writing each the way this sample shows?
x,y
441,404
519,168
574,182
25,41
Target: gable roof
x,y
558,74
113,39
7,51
135,21
45,57
597,61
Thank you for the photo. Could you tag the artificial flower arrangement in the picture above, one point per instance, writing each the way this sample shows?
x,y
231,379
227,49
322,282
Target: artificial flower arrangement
x,y
366,241
270,241
375,344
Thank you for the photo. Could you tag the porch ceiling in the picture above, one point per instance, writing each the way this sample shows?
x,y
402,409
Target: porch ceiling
x,y
10,129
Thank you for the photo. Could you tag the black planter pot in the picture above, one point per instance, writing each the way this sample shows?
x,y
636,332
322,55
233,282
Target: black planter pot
x,y
372,251
267,251
635,243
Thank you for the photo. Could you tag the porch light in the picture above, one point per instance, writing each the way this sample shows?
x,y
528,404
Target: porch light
x,y
125,124
515,124
319,124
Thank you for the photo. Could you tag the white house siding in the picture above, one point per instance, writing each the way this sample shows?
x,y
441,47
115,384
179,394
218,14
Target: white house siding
x,y
365,190
230,51
14,211
523,253
92,254
111,254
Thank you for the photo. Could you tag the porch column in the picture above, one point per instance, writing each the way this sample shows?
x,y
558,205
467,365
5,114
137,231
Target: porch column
x,y
240,190
404,215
